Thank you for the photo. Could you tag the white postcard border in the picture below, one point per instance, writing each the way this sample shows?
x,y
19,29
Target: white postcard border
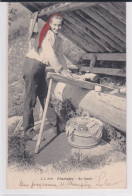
x,y
3,115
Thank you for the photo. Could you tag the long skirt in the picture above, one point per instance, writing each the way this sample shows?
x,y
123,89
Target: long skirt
x,y
35,85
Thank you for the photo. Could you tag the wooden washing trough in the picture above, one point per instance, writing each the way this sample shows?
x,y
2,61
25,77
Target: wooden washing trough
x,y
102,105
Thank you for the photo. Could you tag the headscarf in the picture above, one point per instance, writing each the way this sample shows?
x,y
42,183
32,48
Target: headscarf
x,y
45,29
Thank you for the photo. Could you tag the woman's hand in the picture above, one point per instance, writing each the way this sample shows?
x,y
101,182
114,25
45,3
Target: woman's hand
x,y
66,72
49,74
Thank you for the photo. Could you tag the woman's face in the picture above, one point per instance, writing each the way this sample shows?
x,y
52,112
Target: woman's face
x,y
56,24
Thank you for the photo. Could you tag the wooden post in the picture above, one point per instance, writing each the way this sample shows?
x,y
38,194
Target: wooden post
x,y
93,60
44,117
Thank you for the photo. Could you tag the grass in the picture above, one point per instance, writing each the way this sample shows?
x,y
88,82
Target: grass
x,y
18,156
78,162
15,80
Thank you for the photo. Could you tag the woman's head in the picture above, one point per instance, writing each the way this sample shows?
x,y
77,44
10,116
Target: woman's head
x,y
56,23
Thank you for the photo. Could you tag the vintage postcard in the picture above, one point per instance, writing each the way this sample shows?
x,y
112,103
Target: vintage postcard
x,y
66,95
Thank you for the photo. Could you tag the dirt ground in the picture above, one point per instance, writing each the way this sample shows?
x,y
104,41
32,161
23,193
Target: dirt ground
x,y
56,152
57,148
54,148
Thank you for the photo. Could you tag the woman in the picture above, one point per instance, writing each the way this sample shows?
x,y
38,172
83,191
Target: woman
x,y
46,52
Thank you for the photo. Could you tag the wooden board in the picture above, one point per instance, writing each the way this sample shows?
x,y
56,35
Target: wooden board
x,y
74,82
105,23
107,71
97,40
89,18
65,6
89,25
106,56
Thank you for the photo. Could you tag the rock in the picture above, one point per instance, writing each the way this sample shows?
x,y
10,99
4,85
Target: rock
x,y
12,122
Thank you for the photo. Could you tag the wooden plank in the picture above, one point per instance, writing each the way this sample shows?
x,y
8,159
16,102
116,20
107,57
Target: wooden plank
x,y
108,108
108,24
78,31
77,39
79,17
39,5
105,23
88,35
107,71
74,82
65,6
86,32
90,18
120,6
106,56
111,19
115,12
35,6
72,61
29,6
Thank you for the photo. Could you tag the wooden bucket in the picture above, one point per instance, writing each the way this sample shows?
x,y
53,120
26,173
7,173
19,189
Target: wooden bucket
x,y
81,136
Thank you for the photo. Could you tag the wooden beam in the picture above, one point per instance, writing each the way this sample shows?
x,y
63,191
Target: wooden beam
x,y
28,6
78,83
110,25
95,39
105,23
79,17
108,108
110,18
106,71
115,12
70,59
80,32
106,56
120,6
66,6
97,24
77,39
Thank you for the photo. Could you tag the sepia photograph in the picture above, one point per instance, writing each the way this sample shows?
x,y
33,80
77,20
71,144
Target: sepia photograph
x,y
66,124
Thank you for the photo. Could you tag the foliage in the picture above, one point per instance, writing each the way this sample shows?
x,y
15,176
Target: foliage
x,y
17,154
19,32
116,138
12,14
64,109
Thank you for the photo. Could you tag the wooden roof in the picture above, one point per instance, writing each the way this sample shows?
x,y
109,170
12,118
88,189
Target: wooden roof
x,y
93,26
